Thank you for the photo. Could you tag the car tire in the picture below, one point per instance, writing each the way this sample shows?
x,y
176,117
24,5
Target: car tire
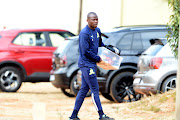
x,y
75,88
67,92
169,84
10,79
121,88
107,96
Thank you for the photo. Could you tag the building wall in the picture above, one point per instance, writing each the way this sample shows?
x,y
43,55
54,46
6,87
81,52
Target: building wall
x,y
134,12
146,12
65,13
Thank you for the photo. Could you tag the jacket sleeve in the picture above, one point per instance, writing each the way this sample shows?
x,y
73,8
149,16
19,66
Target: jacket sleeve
x,y
84,42
101,44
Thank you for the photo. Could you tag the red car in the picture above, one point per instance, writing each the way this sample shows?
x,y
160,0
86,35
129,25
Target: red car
x,y
26,55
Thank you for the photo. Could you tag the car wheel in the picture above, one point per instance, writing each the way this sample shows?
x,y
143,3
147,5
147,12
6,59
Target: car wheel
x,y
67,92
75,87
107,96
10,79
169,84
121,88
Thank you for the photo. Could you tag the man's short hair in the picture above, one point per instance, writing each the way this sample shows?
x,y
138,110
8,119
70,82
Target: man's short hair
x,y
88,15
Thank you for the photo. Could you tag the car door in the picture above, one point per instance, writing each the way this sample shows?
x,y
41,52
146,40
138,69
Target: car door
x,y
33,51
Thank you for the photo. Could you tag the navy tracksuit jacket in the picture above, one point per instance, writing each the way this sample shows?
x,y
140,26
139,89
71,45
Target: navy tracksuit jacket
x,y
88,48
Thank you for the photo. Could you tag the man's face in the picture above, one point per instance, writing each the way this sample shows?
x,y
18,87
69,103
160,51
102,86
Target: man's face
x,y
92,21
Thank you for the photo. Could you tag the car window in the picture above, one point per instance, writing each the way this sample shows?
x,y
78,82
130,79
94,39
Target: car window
x,y
61,48
125,42
58,37
105,36
114,38
73,49
165,51
146,36
152,50
30,39
137,41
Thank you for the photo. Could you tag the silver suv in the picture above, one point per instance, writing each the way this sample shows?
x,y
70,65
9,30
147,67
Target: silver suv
x,y
157,69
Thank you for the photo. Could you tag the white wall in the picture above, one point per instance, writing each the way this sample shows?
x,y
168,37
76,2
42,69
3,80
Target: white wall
x,y
139,12
65,13
108,12
39,14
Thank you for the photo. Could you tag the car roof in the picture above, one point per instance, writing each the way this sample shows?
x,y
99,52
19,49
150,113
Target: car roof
x,y
14,32
29,30
136,28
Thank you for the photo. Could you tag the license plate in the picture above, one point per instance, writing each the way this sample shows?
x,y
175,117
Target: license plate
x,y
52,78
137,80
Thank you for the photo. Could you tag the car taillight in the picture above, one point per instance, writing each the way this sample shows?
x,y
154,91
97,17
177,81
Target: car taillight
x,y
53,58
53,62
155,63
63,61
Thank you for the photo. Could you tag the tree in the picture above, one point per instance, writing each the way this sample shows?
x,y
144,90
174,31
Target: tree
x,y
174,25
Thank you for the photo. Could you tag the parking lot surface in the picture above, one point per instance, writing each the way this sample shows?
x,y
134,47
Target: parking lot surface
x,y
42,101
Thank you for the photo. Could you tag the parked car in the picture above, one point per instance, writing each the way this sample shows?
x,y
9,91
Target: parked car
x,y
25,55
157,69
117,85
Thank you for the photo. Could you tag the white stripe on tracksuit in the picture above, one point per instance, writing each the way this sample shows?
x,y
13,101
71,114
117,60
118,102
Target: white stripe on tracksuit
x,y
92,96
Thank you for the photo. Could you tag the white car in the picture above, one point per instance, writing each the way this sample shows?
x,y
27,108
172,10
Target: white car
x,y
157,69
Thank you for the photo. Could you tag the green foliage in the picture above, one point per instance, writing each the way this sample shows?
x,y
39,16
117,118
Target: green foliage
x,y
173,35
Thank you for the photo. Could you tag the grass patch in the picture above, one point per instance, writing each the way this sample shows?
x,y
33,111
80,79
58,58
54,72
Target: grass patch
x,y
155,103
154,109
163,98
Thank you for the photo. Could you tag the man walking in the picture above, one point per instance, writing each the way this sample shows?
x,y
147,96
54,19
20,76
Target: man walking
x,y
89,41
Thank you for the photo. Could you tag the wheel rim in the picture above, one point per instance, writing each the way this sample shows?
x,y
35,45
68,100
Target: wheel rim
x,y
124,89
76,86
171,84
9,80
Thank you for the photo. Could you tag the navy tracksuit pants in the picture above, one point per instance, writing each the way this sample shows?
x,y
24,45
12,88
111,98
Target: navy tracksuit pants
x,y
89,81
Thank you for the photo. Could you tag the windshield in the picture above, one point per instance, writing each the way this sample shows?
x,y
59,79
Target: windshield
x,y
67,34
105,36
113,38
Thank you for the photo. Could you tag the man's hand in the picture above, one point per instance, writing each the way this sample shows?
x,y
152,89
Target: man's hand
x,y
100,60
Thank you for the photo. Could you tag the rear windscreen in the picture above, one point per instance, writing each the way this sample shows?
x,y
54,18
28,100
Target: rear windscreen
x,y
62,47
165,52
152,50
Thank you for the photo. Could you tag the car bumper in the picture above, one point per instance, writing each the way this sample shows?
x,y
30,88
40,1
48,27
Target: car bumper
x,y
59,78
146,83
